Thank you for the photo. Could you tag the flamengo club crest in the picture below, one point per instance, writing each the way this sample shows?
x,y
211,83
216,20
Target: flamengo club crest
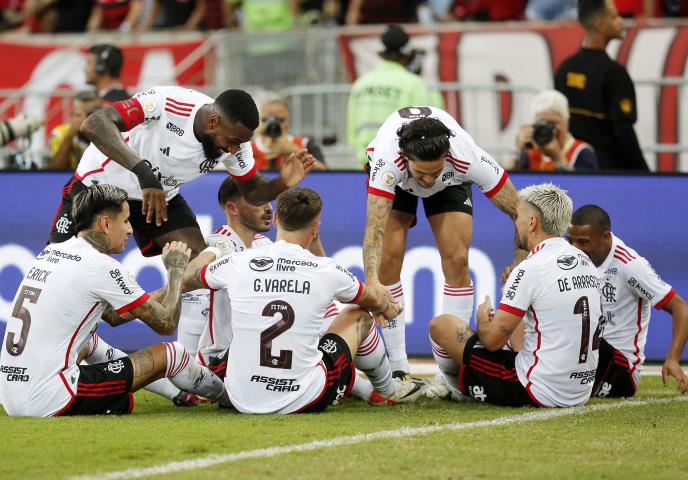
x,y
330,346
609,292
116,366
63,224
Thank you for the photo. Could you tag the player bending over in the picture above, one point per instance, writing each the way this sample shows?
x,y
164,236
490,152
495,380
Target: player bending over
x,y
423,152
59,304
555,290
630,287
279,294
173,135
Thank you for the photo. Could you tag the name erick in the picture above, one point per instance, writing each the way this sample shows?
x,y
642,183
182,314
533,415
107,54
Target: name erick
x,y
270,285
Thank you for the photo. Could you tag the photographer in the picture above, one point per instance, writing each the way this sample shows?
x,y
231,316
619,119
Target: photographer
x,y
67,144
547,144
273,143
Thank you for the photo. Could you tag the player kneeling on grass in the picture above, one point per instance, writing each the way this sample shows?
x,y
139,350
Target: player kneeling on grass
x,y
555,290
59,304
279,295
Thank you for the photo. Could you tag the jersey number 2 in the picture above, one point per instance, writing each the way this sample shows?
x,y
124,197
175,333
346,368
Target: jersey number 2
x,y
22,313
582,307
267,359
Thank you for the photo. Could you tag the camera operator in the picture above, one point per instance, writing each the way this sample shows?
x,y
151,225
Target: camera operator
x,y
103,67
547,144
273,143
67,143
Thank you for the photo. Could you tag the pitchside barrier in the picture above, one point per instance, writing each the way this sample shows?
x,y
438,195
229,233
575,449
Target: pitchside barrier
x,y
648,213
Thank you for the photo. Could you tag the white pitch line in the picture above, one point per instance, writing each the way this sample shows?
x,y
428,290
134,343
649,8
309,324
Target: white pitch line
x,y
429,367
216,459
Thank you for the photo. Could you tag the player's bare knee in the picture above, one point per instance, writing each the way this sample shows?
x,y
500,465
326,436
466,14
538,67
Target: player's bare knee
x,y
455,266
442,326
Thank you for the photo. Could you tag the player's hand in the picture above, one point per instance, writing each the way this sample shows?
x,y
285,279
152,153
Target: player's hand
x,y
154,203
672,367
176,255
296,167
506,272
485,311
394,308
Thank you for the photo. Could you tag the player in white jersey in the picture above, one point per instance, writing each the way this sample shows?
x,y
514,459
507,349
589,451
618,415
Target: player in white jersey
x,y
630,287
59,304
172,135
423,152
279,294
555,291
244,228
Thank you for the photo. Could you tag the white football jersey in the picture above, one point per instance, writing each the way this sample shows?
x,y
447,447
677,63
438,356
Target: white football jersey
x,y
630,287
466,162
556,290
207,311
56,308
162,134
279,295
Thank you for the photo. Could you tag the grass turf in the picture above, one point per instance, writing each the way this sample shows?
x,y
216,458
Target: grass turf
x,y
641,441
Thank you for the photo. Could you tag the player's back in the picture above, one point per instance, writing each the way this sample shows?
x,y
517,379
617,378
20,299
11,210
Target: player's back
x,y
558,361
54,311
279,295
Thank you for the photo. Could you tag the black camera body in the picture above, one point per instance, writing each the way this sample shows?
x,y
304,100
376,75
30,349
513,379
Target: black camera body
x,y
273,127
543,132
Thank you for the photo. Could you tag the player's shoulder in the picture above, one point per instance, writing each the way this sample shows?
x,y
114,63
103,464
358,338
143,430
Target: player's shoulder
x,y
260,240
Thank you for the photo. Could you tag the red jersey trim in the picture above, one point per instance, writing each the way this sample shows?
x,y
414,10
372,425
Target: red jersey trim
x,y
71,341
131,112
495,190
512,310
203,279
358,293
639,324
142,299
246,176
210,317
380,193
660,305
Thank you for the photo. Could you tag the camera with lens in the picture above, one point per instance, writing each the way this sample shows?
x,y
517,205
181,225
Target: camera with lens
x,y
543,132
273,127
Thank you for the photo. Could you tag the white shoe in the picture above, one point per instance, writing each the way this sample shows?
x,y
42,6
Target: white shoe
x,y
437,388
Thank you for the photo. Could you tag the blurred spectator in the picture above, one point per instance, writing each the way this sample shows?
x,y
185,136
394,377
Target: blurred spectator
x,y
11,14
546,144
273,143
394,83
20,126
58,16
381,11
103,67
215,14
489,10
551,10
179,14
119,15
264,15
67,144
600,92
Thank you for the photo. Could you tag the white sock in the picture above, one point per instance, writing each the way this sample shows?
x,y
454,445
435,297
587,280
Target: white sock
x,y
372,359
458,301
362,388
192,377
101,352
448,367
395,334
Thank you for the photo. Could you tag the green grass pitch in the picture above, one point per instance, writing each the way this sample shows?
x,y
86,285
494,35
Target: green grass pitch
x,y
631,441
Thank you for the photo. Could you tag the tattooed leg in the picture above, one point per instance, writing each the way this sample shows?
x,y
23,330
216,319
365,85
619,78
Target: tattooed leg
x,y
450,334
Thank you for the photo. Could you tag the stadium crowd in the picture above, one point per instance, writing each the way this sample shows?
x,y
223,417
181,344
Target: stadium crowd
x,y
58,16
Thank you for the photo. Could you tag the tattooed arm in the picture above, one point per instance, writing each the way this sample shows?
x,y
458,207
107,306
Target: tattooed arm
x,y
103,128
379,301
507,201
259,190
377,215
192,275
163,316
494,329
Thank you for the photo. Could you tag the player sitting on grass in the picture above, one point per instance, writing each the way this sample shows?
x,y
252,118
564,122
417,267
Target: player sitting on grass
x,y
630,287
279,294
59,304
555,290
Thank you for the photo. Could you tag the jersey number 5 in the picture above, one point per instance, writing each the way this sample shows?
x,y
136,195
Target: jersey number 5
x,y
22,313
582,307
267,359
